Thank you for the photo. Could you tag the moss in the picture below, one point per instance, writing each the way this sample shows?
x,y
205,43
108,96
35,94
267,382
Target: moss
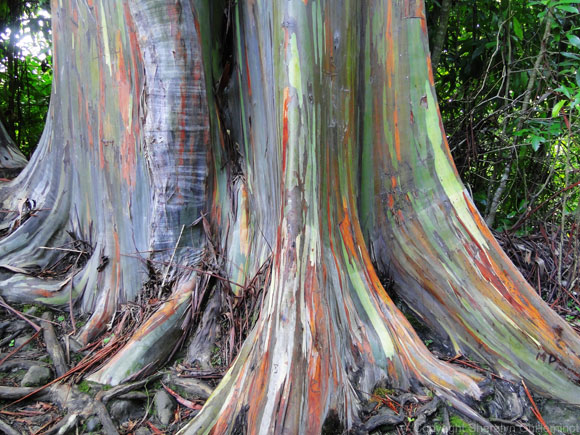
x,y
460,426
84,387
383,392
40,309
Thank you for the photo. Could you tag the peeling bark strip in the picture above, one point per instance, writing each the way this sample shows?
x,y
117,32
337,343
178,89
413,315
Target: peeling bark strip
x,y
309,134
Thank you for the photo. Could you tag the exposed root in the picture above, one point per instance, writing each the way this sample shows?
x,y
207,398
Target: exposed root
x,y
199,353
423,412
163,331
107,395
53,346
7,429
17,393
65,425
191,387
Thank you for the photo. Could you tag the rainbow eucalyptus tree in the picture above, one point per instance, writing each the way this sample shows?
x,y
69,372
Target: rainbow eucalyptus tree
x,y
11,158
304,134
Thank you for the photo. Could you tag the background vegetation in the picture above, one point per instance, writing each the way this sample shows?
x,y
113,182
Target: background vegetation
x,y
508,78
508,81
25,69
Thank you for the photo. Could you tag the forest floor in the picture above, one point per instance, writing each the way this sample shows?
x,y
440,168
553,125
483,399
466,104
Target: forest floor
x,y
42,390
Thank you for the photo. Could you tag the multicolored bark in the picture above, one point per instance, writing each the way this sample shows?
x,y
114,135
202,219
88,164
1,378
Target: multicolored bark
x,y
416,212
122,163
310,135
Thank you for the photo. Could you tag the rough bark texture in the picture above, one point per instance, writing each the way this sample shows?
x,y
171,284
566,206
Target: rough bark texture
x,y
309,134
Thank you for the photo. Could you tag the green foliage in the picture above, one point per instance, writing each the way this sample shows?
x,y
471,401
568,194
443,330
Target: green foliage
x,y
503,114
25,70
460,426
383,392
84,387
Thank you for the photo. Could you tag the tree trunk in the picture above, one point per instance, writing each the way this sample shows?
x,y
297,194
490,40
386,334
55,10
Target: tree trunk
x,y
441,33
309,135
11,158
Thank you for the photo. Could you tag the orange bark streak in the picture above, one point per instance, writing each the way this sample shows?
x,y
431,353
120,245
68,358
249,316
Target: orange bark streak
x,y
330,227
315,398
345,230
258,390
285,127
249,78
397,133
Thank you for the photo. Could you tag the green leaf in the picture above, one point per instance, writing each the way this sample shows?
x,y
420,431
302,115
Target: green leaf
x,y
536,142
564,90
556,109
555,128
571,9
574,40
578,77
518,29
